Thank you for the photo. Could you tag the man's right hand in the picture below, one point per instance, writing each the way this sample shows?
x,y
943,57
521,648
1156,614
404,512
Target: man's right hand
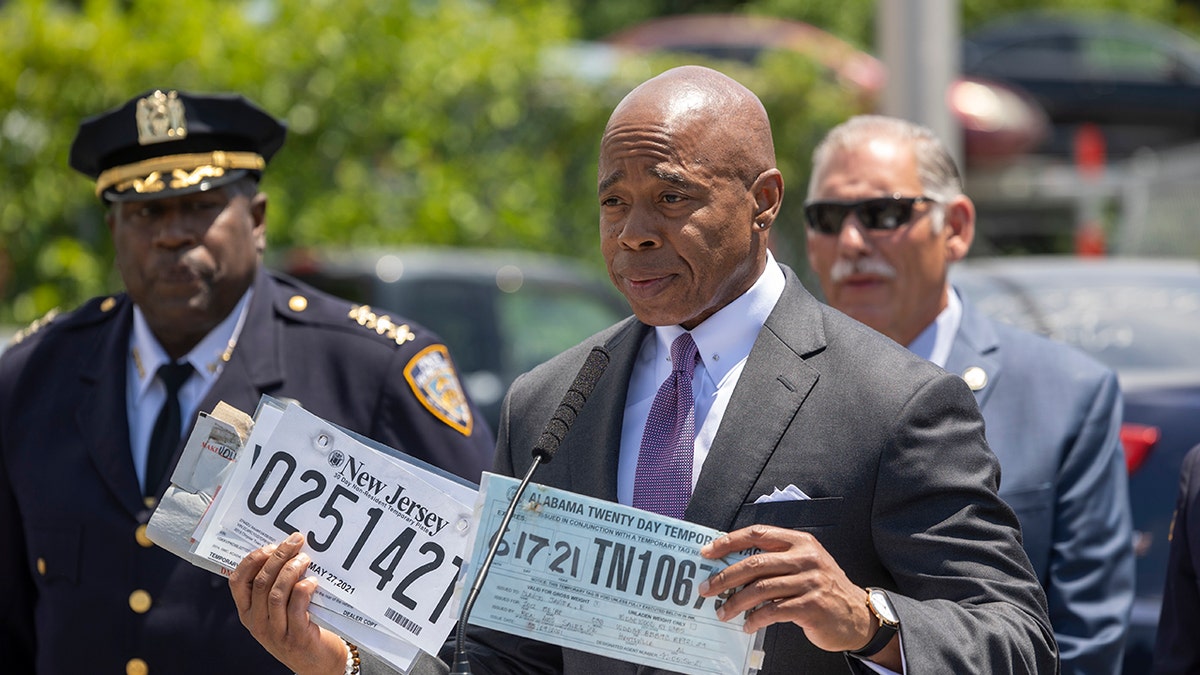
x,y
272,601
794,579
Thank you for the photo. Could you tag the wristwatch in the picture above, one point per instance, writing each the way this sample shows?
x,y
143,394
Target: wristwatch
x,y
889,624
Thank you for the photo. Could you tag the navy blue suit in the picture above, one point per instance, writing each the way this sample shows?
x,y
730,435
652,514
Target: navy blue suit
x,y
1052,415
72,552
1177,645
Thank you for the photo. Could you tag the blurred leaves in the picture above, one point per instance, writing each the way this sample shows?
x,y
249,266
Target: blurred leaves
x,y
852,20
457,122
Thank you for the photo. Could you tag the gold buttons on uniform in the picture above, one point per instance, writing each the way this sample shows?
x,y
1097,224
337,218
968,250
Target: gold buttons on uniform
x,y
139,601
136,667
107,304
298,303
140,535
41,566
150,502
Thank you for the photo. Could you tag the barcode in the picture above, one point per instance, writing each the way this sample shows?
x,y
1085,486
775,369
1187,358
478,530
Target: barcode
x,y
406,624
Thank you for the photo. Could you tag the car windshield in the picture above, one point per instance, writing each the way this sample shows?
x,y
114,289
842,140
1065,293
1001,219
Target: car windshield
x,y
1128,318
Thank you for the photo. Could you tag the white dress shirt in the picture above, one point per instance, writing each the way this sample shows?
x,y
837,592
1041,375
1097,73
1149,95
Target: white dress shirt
x,y
934,343
724,341
145,393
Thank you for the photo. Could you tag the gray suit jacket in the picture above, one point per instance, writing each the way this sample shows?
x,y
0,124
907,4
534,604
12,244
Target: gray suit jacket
x,y
889,447
1053,418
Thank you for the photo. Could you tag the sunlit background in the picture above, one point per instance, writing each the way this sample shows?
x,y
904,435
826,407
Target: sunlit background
x,y
441,162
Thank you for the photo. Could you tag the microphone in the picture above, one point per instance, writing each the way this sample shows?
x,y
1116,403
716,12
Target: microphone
x,y
571,404
543,451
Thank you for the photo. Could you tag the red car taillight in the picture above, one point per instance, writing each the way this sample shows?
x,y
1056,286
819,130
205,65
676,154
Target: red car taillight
x,y
1139,440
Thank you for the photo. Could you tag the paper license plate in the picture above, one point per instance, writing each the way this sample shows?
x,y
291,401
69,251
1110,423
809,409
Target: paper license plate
x,y
604,578
381,539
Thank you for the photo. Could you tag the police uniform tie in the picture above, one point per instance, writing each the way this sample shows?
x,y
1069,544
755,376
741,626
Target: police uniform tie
x,y
663,480
164,439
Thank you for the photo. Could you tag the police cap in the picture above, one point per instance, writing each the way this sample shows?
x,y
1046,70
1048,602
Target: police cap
x,y
165,143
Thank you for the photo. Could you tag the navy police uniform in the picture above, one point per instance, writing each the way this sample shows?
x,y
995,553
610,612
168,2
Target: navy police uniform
x,y
85,590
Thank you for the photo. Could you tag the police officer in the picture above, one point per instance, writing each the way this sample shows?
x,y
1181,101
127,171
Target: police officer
x,y
94,403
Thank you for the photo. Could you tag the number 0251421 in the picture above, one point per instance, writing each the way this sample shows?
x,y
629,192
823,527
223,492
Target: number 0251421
x,y
381,537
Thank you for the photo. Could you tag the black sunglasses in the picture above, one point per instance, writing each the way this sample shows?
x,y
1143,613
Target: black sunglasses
x,y
880,213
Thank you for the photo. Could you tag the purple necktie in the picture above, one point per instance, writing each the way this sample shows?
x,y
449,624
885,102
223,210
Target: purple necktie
x,y
663,482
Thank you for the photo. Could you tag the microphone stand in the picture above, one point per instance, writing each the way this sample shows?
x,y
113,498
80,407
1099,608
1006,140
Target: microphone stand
x,y
547,445
461,665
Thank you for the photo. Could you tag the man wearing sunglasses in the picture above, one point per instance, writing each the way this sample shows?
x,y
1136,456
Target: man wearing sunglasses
x,y
886,217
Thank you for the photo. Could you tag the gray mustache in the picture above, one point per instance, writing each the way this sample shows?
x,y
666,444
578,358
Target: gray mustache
x,y
843,268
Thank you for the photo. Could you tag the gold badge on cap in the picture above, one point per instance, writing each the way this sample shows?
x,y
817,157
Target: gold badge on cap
x,y
431,375
160,118
975,377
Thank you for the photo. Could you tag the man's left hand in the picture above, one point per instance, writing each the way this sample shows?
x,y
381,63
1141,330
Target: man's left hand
x,y
793,579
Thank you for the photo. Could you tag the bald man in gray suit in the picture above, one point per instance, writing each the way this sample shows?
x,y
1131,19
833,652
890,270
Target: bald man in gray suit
x,y
888,448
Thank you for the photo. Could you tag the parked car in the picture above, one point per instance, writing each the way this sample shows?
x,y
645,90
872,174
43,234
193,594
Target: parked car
x,y
739,37
1141,317
500,312
998,122
1138,82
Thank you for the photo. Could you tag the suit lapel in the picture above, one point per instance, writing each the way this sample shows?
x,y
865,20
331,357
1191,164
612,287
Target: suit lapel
x,y
103,422
595,469
974,355
772,386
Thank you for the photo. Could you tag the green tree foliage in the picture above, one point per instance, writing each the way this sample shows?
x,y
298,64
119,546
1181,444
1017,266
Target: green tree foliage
x,y
456,122
854,20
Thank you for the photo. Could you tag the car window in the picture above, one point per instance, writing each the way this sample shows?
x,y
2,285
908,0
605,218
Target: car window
x,y
543,320
1039,58
458,310
1108,57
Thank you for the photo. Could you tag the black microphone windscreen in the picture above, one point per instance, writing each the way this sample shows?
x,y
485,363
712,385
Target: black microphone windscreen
x,y
571,404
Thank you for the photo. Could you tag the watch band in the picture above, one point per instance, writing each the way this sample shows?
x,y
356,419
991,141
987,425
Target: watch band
x,y
888,627
882,637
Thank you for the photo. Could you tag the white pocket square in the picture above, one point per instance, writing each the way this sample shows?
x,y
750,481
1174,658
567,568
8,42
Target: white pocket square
x,y
791,493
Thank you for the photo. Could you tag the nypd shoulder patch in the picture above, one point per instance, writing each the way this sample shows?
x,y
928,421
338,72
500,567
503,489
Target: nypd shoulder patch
x,y
433,379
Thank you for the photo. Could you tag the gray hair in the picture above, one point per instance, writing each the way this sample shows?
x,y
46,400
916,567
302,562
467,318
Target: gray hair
x,y
936,169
